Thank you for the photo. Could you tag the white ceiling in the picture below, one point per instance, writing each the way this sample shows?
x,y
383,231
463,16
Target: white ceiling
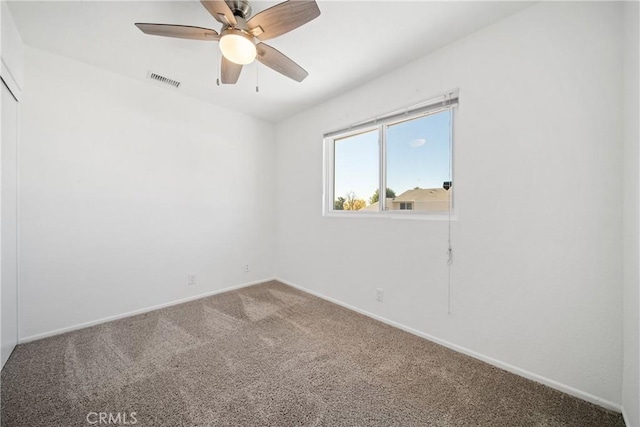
x,y
350,43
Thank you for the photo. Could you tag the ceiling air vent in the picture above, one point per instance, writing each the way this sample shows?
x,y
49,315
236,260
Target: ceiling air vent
x,y
163,79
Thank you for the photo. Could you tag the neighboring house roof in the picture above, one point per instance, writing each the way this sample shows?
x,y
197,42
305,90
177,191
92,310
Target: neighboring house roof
x,y
371,207
424,198
423,195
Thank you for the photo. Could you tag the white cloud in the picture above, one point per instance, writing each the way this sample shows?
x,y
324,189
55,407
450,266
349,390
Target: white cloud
x,y
417,143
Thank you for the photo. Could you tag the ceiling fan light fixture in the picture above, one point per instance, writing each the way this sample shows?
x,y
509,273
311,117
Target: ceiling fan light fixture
x,y
242,37
237,46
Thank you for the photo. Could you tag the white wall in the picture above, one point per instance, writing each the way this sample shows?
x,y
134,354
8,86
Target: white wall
x,y
631,216
126,187
537,246
9,291
1,38
11,50
11,59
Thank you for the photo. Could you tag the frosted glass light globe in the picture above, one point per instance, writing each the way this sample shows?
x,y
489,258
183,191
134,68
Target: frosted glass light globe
x,y
237,47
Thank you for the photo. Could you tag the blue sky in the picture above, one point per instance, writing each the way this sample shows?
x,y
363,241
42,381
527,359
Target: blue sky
x,y
417,156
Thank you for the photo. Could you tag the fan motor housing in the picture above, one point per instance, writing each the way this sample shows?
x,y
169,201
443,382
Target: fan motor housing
x,y
240,7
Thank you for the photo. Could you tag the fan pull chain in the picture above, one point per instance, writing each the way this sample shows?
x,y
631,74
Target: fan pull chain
x,y
218,65
257,81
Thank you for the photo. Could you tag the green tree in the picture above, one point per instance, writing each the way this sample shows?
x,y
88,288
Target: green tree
x,y
376,196
338,205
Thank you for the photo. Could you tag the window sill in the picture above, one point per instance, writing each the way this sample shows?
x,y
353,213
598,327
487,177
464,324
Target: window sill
x,y
394,215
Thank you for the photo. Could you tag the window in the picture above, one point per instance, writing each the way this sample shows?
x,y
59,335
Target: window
x,y
409,154
355,170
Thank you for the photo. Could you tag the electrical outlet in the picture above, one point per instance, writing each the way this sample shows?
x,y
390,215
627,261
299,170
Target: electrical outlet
x,y
379,294
191,279
246,268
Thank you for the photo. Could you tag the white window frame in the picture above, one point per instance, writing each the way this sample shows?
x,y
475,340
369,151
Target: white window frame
x,y
448,101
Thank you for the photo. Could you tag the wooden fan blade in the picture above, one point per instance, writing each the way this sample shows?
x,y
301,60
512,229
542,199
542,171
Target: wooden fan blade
x,y
230,71
283,18
179,31
279,62
220,11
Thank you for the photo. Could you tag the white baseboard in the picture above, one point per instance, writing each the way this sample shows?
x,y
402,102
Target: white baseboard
x,y
490,360
136,312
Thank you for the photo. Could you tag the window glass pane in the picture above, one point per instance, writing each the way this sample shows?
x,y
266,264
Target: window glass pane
x,y
356,172
418,164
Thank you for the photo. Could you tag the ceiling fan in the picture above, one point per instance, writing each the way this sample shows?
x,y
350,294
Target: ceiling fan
x,y
239,31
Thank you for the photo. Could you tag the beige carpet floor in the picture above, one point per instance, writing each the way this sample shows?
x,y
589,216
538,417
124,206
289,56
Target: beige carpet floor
x,y
269,355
